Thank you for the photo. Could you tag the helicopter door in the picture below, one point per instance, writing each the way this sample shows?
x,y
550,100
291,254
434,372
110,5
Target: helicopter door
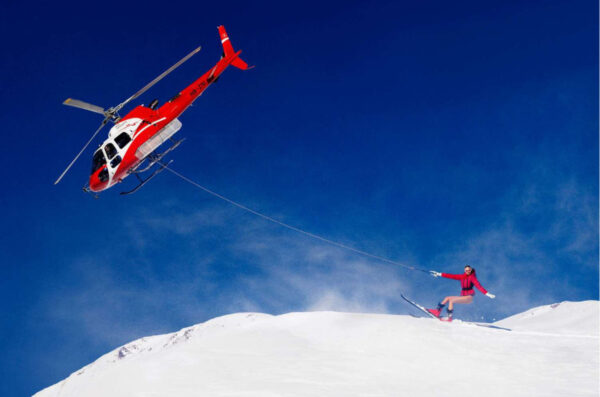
x,y
111,153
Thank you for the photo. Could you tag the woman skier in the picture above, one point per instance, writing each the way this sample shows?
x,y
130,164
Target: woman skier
x,y
467,281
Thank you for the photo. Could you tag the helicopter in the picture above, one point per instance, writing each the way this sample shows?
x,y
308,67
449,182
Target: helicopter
x,y
132,143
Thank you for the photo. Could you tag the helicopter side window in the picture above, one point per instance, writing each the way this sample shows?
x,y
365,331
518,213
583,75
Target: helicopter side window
x,y
98,161
110,150
123,139
116,161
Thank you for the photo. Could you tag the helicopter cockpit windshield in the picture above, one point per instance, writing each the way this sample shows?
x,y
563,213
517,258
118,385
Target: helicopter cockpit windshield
x,y
98,161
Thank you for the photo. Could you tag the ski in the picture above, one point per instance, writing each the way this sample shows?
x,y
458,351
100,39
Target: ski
x,y
421,308
444,319
490,326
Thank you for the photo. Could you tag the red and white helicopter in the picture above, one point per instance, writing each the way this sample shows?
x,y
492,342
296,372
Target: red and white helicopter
x,y
132,142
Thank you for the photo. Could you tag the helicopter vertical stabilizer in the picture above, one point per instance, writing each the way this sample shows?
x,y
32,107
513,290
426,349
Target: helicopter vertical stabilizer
x,y
228,53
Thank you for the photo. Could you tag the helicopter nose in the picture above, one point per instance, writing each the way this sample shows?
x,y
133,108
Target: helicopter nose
x,y
99,180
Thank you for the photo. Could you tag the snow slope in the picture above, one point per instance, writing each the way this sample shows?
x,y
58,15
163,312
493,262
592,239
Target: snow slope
x,y
552,351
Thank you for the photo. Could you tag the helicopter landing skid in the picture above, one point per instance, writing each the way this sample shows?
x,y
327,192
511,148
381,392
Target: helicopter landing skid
x,y
144,181
153,158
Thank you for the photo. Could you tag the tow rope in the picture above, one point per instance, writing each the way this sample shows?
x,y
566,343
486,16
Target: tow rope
x,y
309,234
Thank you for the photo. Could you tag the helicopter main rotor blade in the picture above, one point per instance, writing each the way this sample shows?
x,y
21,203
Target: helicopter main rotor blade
x,y
76,103
156,80
86,145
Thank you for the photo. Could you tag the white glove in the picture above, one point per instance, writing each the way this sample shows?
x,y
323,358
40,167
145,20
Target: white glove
x,y
491,296
435,274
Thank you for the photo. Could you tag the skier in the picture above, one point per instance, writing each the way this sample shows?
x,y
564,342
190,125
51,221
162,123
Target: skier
x,y
467,281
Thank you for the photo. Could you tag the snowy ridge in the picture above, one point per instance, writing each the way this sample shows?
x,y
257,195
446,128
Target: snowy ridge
x,y
138,348
166,341
352,354
565,318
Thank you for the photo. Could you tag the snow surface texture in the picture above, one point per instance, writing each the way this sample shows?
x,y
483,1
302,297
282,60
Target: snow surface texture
x,y
551,351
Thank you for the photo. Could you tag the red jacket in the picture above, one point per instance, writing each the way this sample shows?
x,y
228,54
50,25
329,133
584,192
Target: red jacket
x,y
466,282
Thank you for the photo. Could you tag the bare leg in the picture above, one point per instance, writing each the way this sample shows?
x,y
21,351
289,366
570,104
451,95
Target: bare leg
x,y
457,299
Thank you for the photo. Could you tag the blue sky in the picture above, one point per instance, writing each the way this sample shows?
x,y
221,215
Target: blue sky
x,y
433,134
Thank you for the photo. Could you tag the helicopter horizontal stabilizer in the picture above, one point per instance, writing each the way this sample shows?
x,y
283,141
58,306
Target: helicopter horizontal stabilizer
x,y
239,63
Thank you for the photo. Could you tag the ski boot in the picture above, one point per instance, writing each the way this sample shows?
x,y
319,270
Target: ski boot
x,y
437,312
449,318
